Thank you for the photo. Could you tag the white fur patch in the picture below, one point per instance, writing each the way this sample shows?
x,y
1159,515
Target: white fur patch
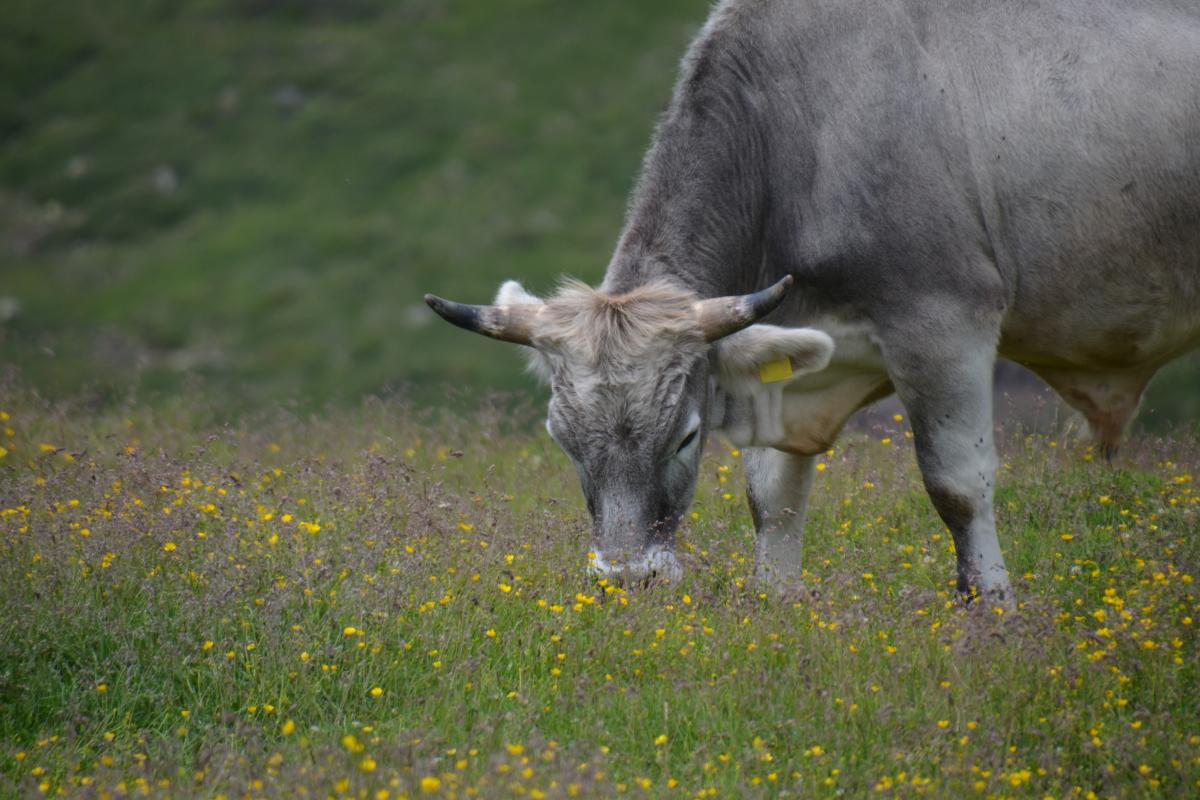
x,y
657,561
513,293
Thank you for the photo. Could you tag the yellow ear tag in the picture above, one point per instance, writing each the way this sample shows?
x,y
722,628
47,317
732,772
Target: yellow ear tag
x,y
775,371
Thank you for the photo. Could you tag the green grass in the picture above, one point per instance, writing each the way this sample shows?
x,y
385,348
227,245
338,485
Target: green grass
x,y
331,164
248,198
173,622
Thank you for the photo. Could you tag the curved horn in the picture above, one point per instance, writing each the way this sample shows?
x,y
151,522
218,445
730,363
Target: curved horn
x,y
721,316
512,323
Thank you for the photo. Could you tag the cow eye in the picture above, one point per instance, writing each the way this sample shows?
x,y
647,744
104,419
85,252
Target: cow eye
x,y
687,440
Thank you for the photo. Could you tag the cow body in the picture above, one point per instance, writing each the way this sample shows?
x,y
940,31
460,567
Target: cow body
x,y
945,182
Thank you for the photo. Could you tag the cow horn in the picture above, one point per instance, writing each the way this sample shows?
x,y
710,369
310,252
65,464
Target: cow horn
x,y
721,316
508,323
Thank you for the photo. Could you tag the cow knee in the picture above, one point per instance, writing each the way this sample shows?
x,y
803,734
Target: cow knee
x,y
960,498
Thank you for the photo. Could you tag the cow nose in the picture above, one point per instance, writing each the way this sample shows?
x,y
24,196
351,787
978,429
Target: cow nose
x,y
654,563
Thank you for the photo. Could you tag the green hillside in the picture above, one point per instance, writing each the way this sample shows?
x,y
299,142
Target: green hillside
x,y
249,197
258,193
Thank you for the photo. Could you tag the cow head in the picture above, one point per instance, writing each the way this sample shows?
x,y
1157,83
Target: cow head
x,y
636,383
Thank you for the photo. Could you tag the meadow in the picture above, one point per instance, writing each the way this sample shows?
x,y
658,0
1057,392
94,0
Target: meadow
x,y
383,602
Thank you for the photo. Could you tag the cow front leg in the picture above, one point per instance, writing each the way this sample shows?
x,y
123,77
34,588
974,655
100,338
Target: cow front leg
x,y
777,486
949,402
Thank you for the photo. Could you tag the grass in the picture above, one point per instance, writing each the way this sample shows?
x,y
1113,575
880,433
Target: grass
x,y
382,602
258,192
253,195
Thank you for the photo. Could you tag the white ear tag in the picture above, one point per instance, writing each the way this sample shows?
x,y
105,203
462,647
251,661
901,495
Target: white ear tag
x,y
774,371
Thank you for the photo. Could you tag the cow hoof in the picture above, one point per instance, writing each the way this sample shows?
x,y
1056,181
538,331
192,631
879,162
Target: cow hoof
x,y
786,588
993,597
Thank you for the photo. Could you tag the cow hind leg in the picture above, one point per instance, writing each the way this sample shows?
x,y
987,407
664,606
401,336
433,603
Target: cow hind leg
x,y
1108,401
948,395
777,487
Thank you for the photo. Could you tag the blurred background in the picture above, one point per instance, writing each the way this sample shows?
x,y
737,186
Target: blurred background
x,y
246,199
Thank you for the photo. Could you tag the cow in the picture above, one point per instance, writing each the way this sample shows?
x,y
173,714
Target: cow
x,y
850,198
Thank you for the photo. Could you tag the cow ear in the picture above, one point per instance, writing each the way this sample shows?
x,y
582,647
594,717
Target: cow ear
x,y
512,293
763,354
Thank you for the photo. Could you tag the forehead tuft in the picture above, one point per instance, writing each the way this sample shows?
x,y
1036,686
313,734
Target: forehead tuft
x,y
621,331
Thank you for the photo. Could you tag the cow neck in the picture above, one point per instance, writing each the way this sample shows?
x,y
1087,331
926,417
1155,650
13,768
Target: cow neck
x,y
698,211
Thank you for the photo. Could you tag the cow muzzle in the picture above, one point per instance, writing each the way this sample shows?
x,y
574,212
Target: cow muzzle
x,y
655,563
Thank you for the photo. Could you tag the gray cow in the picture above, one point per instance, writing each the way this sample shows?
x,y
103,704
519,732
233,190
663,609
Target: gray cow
x,y
937,181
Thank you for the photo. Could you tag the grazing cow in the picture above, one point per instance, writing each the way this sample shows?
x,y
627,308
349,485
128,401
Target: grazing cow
x,y
937,181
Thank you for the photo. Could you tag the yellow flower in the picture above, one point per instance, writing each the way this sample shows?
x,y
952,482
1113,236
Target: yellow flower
x,y
377,692
287,728
1066,537
367,764
430,784
349,630
661,739
169,547
101,687
515,749
491,633
821,466
943,723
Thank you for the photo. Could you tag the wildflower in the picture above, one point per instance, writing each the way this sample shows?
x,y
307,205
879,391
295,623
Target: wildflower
x,y
430,784
491,633
660,740
367,764
287,728
169,547
377,691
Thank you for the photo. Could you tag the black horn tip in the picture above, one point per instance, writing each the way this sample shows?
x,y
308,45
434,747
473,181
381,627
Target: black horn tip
x,y
767,299
464,316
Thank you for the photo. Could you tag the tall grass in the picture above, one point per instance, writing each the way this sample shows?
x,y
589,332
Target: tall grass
x,y
382,603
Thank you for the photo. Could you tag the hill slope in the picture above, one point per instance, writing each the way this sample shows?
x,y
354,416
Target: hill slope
x,y
251,196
